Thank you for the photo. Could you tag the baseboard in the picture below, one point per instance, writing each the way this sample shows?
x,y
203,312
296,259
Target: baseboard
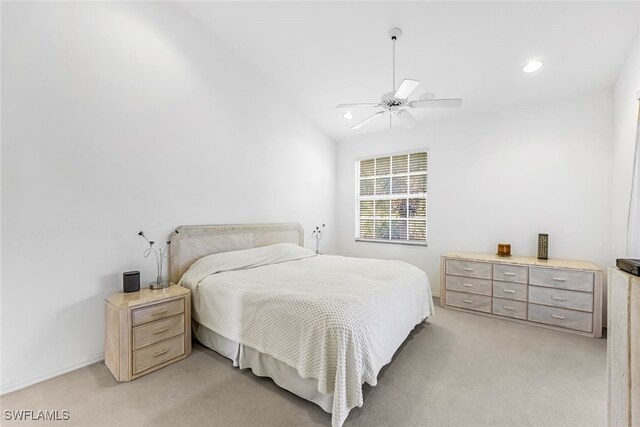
x,y
20,384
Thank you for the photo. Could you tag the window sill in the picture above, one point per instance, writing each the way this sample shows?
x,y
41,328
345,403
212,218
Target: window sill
x,y
393,242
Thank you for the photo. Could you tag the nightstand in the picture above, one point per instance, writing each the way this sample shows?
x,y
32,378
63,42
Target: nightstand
x,y
146,330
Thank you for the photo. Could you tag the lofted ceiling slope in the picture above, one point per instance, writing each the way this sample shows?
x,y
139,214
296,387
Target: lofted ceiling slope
x,y
319,54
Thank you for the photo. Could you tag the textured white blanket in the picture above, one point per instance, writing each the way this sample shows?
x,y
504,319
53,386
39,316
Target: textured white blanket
x,y
336,319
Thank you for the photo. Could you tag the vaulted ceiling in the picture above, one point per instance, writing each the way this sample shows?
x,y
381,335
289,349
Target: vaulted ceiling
x,y
319,54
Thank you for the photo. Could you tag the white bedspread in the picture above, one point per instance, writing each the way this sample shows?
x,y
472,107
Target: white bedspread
x,y
336,319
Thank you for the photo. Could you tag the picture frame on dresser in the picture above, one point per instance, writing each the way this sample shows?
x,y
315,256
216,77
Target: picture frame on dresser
x,y
556,294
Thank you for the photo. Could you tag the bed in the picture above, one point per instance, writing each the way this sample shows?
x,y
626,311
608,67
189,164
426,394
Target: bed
x,y
319,325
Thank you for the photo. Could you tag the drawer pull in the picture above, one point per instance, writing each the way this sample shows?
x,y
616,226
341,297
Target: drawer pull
x,y
467,268
468,285
558,298
468,301
159,331
159,312
555,316
508,273
559,279
509,291
161,352
506,307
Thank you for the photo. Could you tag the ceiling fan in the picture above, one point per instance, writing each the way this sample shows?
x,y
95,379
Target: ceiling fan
x,y
396,102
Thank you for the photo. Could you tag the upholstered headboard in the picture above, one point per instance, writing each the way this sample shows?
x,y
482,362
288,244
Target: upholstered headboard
x,y
195,241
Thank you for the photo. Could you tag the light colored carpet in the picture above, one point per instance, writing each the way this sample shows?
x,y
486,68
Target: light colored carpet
x,y
457,369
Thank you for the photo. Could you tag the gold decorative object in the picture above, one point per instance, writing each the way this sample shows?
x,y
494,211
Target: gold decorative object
x,y
504,249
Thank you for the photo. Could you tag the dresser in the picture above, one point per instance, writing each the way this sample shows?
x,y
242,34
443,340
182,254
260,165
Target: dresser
x,y
146,330
557,294
623,348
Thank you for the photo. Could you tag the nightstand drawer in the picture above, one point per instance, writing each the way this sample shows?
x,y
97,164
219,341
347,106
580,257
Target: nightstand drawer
x,y
157,331
157,354
481,270
158,311
561,279
469,284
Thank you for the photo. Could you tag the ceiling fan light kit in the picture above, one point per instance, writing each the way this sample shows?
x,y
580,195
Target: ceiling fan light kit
x,y
532,66
396,102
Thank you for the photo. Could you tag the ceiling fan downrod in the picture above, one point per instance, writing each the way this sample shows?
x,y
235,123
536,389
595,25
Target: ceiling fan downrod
x,y
394,33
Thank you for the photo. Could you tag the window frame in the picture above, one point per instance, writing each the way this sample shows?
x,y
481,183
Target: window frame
x,y
424,195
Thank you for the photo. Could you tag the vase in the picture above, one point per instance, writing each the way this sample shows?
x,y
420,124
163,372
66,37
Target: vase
x,y
160,283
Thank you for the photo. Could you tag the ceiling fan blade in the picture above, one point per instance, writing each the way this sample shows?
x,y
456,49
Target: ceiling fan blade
x,y
407,119
436,103
358,105
406,87
367,120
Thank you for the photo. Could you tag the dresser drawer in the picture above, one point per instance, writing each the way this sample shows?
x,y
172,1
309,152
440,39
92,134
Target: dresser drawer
x,y
516,291
569,319
158,311
510,273
458,267
157,331
469,301
469,284
560,298
156,354
561,279
510,308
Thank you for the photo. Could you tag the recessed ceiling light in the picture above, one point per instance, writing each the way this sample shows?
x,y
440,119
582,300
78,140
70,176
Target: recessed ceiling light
x,y
348,115
532,66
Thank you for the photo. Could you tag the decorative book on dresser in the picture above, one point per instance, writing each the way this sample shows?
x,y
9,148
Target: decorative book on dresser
x,y
557,294
146,330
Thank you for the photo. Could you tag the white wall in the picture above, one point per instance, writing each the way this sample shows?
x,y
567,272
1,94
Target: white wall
x,y
625,121
501,177
120,117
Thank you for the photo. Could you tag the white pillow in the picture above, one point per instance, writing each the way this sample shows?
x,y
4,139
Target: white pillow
x,y
242,260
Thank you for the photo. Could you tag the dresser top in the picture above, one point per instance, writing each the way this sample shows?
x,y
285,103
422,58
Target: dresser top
x,y
145,296
553,263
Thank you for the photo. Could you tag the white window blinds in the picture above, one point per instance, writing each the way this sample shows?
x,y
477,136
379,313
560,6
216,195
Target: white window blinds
x,y
391,194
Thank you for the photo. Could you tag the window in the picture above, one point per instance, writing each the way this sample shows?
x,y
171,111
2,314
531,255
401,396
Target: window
x,y
391,198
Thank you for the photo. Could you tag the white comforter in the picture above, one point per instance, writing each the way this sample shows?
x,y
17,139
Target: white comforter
x,y
336,319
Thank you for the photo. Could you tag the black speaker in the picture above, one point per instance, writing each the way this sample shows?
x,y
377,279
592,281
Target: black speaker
x,y
131,281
